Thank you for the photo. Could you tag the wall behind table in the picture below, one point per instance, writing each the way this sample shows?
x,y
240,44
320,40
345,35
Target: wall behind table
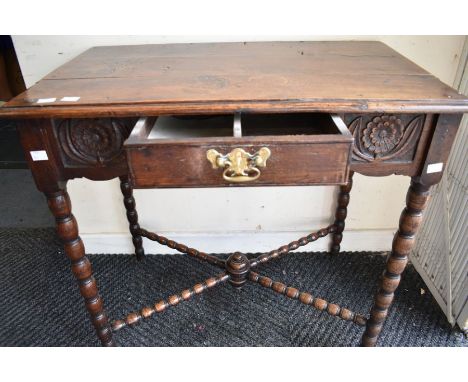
x,y
247,219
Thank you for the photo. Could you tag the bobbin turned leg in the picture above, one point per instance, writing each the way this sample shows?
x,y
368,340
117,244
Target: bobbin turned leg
x,y
132,216
340,215
67,229
403,242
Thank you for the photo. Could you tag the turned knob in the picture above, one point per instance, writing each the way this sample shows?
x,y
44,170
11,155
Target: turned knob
x,y
238,267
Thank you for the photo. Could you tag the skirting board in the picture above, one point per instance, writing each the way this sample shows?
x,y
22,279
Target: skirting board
x,y
247,242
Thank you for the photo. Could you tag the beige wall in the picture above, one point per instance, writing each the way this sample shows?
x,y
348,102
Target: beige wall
x,y
259,215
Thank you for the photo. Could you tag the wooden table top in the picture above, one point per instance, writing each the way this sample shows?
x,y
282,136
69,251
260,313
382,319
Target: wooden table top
x,y
222,77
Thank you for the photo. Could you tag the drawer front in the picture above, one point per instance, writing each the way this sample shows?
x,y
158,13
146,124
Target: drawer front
x,y
302,159
186,165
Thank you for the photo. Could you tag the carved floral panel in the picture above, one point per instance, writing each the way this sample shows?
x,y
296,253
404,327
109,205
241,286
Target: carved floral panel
x,y
95,142
385,137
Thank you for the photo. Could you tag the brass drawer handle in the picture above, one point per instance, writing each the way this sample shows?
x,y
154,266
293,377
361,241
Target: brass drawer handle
x,y
239,166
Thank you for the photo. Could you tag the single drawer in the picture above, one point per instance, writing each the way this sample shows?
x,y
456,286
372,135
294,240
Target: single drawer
x,y
239,149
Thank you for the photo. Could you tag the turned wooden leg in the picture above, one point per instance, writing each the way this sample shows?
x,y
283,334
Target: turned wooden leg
x,y
132,216
340,215
403,242
67,229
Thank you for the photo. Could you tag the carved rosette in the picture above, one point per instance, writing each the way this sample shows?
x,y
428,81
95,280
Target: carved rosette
x,y
95,142
385,137
382,134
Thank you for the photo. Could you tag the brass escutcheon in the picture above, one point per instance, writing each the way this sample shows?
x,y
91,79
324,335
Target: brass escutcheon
x,y
239,166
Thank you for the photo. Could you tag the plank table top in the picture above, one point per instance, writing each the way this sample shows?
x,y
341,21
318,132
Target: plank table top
x,y
364,76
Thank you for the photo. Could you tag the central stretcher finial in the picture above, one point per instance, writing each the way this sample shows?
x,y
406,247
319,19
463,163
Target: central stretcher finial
x,y
238,267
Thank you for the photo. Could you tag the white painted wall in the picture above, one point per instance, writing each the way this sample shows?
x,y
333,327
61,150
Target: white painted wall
x,y
255,219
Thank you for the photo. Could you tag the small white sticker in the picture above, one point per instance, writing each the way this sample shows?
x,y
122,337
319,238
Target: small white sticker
x,y
46,100
434,167
39,155
69,99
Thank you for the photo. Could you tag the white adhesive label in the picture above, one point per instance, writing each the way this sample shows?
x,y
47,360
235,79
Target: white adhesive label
x,y
46,100
39,155
434,167
69,99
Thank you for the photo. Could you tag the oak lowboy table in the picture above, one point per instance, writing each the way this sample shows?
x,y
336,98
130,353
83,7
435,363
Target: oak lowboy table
x,y
237,114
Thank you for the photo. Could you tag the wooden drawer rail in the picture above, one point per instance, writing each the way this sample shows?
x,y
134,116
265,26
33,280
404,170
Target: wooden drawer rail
x,y
238,272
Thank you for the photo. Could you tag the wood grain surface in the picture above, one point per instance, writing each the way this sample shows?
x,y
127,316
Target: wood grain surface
x,y
223,77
